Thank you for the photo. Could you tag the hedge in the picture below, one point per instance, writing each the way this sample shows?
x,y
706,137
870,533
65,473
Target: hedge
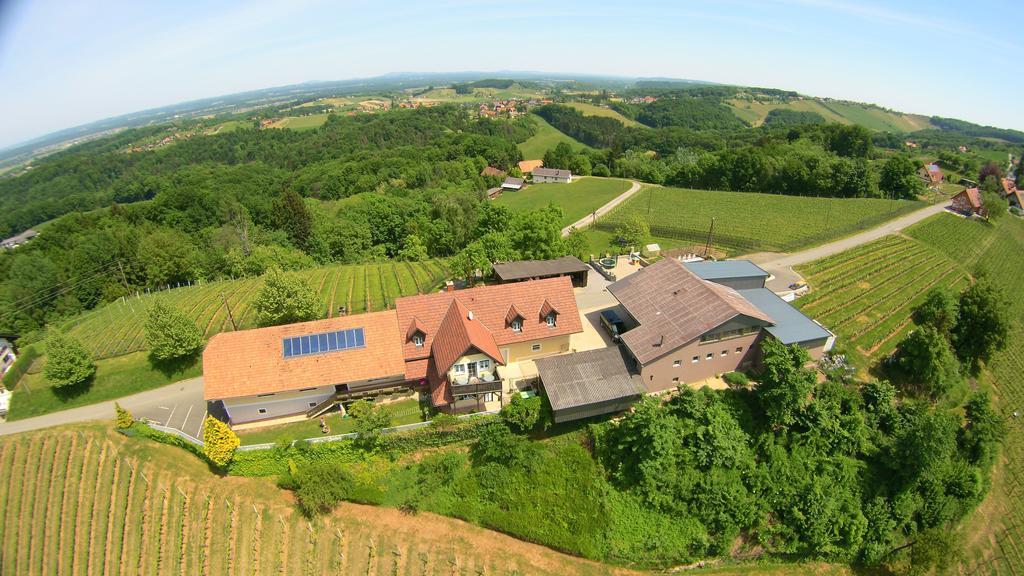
x,y
142,429
26,358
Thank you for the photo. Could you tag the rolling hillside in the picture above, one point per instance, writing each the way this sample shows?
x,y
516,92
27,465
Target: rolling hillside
x,y
754,111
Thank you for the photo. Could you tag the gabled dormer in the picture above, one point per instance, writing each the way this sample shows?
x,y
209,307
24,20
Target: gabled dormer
x,y
548,314
514,319
416,333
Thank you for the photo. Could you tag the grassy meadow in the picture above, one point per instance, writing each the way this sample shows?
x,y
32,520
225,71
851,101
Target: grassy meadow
x,y
754,113
301,122
581,197
592,110
547,137
744,221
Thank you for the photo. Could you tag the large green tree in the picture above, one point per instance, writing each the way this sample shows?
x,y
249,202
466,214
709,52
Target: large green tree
x,y
632,232
785,386
286,298
68,363
168,257
170,333
925,359
994,205
292,216
938,310
983,323
899,177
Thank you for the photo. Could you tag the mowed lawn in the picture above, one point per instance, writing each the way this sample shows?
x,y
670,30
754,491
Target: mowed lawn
x,y
592,110
401,412
576,200
745,222
115,377
867,294
547,137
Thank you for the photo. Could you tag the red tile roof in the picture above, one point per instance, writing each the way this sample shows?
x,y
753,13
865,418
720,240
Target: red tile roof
x,y
250,362
674,306
972,196
490,306
461,333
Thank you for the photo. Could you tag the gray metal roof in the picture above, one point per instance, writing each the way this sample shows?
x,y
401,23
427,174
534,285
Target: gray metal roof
x,y
791,326
512,181
523,269
716,270
552,173
583,378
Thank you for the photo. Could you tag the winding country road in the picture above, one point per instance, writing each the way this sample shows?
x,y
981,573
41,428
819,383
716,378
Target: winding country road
x,y
780,266
590,218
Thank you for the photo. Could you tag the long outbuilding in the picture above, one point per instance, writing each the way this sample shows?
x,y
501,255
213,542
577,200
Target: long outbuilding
x,y
537,269
589,383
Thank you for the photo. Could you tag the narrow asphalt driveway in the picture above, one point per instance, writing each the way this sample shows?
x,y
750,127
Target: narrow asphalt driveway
x,y
179,405
590,218
780,266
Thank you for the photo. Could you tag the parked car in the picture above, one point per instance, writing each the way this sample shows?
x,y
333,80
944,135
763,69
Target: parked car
x,y
797,285
613,324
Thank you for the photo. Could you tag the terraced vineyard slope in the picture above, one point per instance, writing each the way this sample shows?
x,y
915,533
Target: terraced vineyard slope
x,y
89,501
118,328
745,221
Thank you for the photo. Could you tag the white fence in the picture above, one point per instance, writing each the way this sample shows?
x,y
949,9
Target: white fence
x,y
176,432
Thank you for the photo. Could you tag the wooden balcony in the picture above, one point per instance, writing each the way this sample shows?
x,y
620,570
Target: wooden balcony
x,y
475,386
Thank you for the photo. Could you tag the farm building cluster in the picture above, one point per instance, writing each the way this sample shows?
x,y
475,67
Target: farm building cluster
x,y
472,349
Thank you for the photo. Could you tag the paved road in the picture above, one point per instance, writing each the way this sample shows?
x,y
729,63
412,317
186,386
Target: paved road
x,y
781,265
179,405
589,219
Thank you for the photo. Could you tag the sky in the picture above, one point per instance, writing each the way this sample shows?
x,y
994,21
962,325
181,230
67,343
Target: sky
x,y
65,63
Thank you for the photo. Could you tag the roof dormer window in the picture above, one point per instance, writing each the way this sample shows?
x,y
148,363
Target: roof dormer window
x,y
517,325
418,339
551,320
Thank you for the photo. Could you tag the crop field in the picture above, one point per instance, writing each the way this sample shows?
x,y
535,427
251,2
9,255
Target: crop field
x,y
592,110
89,501
866,295
118,328
547,137
301,122
581,197
744,221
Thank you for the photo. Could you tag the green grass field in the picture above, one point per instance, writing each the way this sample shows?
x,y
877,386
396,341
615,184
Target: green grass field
x,y
576,200
866,295
402,412
754,113
301,122
592,110
117,328
745,222
547,137
115,377
229,126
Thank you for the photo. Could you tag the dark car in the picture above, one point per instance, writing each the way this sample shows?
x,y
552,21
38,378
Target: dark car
x,y
613,324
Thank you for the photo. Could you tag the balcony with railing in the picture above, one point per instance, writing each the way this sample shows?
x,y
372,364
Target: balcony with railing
x,y
475,385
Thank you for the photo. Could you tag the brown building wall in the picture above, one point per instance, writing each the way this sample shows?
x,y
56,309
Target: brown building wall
x,y
659,375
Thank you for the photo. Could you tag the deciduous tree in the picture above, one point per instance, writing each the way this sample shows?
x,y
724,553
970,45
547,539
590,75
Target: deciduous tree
x,y
170,333
899,177
938,310
924,358
68,363
983,323
285,298
785,387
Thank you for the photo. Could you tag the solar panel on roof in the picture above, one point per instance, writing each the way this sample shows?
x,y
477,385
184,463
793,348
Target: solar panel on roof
x,y
324,342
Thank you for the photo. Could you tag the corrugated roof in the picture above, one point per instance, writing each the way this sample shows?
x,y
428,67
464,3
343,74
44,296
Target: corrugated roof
x,y
524,269
551,173
674,306
250,362
791,326
572,380
717,270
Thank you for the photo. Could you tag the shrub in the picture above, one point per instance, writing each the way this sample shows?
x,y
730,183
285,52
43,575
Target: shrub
x,y
123,420
26,357
170,333
736,379
521,413
285,298
68,363
370,419
443,421
321,486
219,442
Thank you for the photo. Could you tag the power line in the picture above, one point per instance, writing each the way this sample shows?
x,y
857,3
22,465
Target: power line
x,y
62,287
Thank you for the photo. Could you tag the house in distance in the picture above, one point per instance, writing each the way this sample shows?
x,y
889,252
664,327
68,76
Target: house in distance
x,y
552,175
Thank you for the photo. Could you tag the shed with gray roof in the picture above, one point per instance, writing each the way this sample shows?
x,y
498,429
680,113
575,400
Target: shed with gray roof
x,y
551,175
535,269
736,274
790,325
589,383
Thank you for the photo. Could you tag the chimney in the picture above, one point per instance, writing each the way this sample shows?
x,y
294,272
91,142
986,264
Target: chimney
x,y
449,286
470,315
661,341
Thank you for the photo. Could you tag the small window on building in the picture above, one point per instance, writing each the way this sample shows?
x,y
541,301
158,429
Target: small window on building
x,y
675,380
739,349
725,352
517,325
262,411
489,397
312,404
306,389
695,360
417,339
709,356
482,364
535,347
675,363
459,368
550,320
264,395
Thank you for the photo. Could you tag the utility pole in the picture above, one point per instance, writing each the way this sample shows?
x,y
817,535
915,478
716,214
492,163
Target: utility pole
x,y
711,231
123,279
228,306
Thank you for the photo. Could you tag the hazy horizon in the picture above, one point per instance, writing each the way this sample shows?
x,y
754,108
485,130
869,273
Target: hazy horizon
x,y
104,60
